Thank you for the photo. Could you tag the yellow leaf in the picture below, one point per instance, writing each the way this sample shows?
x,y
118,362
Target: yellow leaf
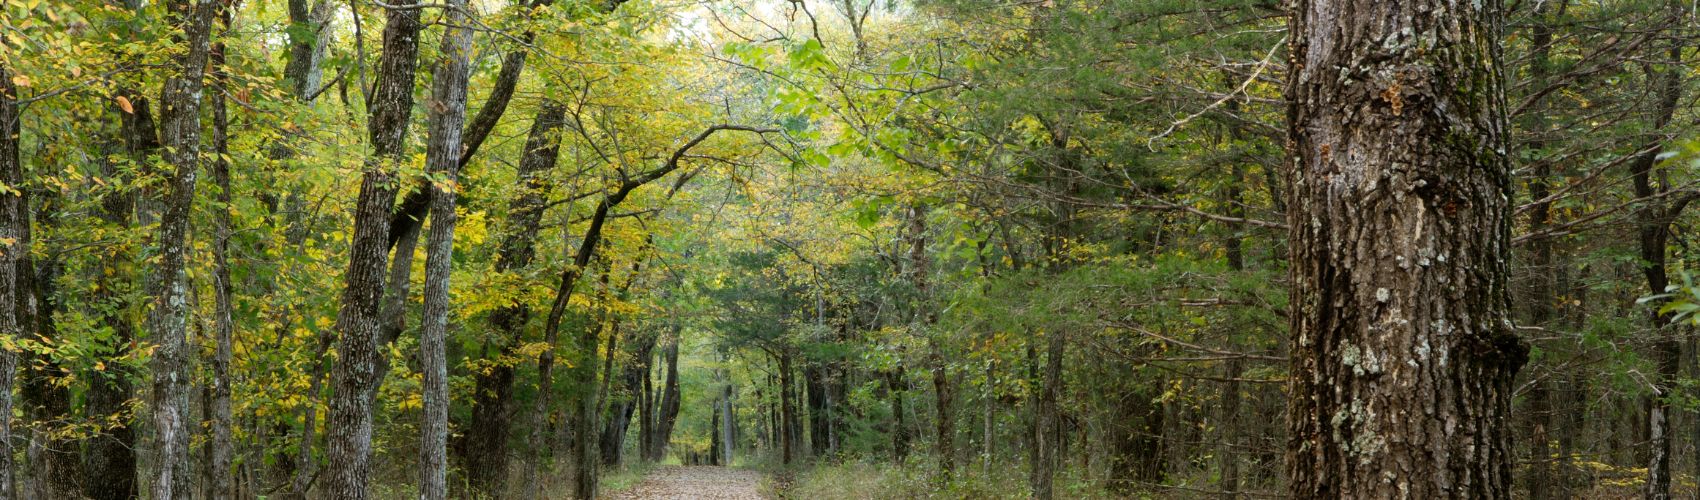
x,y
21,80
124,104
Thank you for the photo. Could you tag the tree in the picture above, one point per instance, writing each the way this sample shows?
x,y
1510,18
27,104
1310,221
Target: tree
x,y
448,112
358,320
14,246
1403,348
180,128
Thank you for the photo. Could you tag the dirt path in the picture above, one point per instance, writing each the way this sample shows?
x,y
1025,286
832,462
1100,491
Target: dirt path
x,y
681,482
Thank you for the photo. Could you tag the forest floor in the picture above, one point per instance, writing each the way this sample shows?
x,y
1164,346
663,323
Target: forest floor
x,y
681,482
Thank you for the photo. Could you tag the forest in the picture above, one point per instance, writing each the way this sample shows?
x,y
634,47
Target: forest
x,y
869,249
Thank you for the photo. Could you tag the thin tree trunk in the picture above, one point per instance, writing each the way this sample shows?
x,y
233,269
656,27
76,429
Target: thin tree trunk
x,y
1400,233
221,450
899,431
442,156
1655,230
1543,291
180,120
1048,423
786,407
359,322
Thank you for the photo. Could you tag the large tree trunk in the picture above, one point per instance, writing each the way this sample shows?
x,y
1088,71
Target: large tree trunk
x,y
1403,348
14,247
359,320
180,122
442,156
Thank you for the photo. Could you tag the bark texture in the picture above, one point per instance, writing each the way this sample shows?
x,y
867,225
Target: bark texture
x,y
1403,352
180,121
359,321
14,245
442,156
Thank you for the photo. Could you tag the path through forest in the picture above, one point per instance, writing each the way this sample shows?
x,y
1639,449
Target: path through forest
x,y
705,482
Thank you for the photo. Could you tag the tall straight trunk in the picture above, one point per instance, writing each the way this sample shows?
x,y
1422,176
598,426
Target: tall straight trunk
x,y
728,428
486,452
1400,233
1543,290
1228,456
14,246
608,352
220,450
180,121
1655,220
358,320
442,156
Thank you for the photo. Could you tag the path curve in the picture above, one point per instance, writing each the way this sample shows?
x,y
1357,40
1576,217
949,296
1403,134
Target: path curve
x,y
696,482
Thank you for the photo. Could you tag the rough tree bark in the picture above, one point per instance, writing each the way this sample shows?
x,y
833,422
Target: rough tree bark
x,y
180,122
14,246
1403,350
442,156
358,320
